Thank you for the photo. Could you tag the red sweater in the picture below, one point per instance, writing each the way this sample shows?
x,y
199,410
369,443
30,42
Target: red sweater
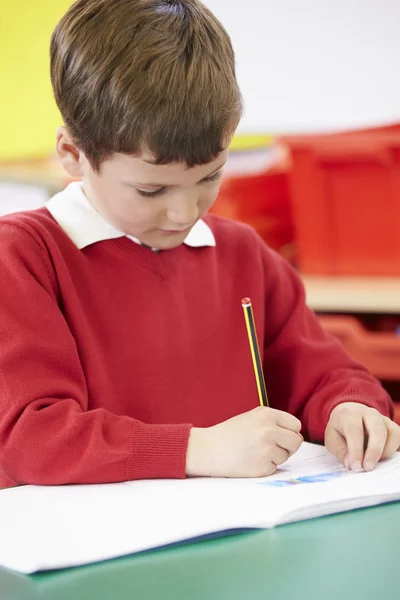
x,y
109,354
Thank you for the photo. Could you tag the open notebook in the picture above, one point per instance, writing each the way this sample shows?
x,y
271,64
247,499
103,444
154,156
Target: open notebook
x,y
64,526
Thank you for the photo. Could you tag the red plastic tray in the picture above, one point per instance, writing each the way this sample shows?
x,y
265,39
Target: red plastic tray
x,y
345,193
379,352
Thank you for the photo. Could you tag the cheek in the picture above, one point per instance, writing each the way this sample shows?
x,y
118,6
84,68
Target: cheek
x,y
208,198
135,212
122,208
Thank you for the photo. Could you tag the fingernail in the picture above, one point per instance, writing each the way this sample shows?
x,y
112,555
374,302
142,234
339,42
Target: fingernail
x,y
369,466
356,466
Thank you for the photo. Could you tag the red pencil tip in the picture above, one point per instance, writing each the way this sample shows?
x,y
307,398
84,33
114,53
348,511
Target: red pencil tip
x,y
246,301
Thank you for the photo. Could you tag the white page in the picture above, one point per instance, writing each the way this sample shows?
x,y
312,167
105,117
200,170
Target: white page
x,y
316,484
62,526
48,527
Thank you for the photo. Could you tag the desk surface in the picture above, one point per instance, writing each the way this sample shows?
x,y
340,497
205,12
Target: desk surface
x,y
353,294
349,556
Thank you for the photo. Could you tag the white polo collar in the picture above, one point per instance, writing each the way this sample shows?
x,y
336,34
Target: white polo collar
x,y
84,225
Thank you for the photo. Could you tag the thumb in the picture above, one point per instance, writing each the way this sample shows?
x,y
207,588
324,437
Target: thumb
x,y
336,444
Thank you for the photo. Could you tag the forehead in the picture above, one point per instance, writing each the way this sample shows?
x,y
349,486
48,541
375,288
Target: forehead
x,y
141,169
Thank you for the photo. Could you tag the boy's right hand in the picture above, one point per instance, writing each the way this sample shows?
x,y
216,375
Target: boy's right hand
x,y
252,444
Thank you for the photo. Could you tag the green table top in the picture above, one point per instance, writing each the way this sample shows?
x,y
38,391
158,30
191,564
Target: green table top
x,y
349,556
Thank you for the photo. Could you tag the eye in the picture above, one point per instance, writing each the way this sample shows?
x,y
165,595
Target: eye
x,y
150,194
214,177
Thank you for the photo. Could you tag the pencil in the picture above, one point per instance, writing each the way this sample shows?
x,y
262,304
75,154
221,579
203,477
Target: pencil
x,y
255,352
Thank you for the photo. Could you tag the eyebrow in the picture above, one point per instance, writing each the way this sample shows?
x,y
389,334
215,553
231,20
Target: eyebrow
x,y
162,185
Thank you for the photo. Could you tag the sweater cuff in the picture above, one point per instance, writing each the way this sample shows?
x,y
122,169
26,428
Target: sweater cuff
x,y
382,404
318,420
157,451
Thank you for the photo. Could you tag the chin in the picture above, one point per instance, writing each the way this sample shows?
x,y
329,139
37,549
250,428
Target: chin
x,y
167,244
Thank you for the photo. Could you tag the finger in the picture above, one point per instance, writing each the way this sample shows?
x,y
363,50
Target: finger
x,y
392,440
287,421
288,440
377,435
353,432
279,455
270,469
336,444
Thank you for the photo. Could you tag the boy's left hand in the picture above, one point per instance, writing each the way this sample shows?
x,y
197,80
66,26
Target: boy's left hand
x,y
359,436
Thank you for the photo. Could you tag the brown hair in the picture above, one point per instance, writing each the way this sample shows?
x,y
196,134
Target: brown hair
x,y
130,75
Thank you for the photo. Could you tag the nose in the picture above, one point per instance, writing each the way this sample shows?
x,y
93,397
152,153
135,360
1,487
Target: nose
x,y
183,211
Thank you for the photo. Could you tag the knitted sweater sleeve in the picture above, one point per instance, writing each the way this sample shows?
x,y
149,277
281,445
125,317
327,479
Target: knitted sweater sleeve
x,y
47,433
307,371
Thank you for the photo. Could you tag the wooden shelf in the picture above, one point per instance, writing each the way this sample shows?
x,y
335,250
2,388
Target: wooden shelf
x,y
353,294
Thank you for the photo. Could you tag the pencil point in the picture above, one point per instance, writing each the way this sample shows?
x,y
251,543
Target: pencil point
x,y
246,301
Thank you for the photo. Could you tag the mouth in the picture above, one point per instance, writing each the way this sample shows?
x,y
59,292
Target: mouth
x,y
174,231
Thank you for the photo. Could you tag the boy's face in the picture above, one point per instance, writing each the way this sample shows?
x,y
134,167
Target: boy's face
x,y
158,204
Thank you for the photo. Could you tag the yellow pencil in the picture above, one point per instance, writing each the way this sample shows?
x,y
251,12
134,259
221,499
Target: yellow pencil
x,y
255,352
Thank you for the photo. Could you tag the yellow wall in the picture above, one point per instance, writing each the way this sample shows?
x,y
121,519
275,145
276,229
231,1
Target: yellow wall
x,y
28,113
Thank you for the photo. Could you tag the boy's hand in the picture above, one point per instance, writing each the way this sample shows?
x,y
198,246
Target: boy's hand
x,y
360,436
249,445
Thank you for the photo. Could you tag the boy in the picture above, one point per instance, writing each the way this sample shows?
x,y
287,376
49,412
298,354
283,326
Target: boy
x,y
123,350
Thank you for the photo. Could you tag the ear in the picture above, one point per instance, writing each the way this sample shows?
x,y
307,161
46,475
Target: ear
x,y
68,153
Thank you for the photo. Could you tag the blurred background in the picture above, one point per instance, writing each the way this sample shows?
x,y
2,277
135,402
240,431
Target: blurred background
x,y
315,163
